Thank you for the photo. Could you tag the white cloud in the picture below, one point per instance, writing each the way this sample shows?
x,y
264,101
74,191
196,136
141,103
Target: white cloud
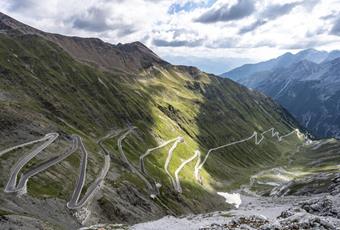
x,y
262,31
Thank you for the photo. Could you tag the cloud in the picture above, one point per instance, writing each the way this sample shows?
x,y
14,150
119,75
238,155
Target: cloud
x,y
252,26
265,43
330,16
189,6
94,19
100,19
336,28
241,9
277,10
126,30
177,43
187,27
178,37
21,5
310,4
305,44
222,43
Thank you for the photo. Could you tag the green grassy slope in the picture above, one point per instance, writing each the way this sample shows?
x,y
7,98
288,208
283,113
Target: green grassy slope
x,y
44,89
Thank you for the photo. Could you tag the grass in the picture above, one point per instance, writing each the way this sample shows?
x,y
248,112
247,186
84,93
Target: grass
x,y
4,212
38,188
55,91
303,164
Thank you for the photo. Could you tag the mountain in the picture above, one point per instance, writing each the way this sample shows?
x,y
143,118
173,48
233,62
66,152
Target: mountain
x,y
122,57
121,100
244,72
308,90
332,55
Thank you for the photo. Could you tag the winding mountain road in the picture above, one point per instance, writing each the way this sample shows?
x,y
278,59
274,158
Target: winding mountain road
x,y
74,202
132,168
77,143
11,184
258,140
149,151
46,137
197,155
168,159
22,185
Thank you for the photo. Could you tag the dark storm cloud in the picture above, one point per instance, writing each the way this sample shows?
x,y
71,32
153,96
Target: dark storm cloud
x,y
241,9
176,43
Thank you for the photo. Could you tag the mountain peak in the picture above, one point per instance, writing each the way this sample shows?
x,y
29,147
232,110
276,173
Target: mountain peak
x,y
130,57
309,50
287,54
312,55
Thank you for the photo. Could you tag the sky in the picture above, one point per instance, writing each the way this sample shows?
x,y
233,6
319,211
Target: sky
x,y
215,35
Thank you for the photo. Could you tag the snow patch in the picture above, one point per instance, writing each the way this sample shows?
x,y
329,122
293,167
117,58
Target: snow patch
x,y
231,198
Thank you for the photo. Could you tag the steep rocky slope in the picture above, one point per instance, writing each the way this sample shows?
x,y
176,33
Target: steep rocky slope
x,y
52,83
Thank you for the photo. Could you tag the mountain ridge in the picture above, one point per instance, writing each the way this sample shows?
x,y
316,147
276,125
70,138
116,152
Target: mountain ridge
x,y
245,71
92,50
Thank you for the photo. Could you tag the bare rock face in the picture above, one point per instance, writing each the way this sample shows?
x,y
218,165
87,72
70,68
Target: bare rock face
x,y
321,207
334,188
243,222
317,213
82,215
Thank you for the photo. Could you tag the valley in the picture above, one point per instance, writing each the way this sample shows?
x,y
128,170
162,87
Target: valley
x,y
97,134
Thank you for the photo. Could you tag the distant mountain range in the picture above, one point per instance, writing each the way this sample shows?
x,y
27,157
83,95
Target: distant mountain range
x,y
307,84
